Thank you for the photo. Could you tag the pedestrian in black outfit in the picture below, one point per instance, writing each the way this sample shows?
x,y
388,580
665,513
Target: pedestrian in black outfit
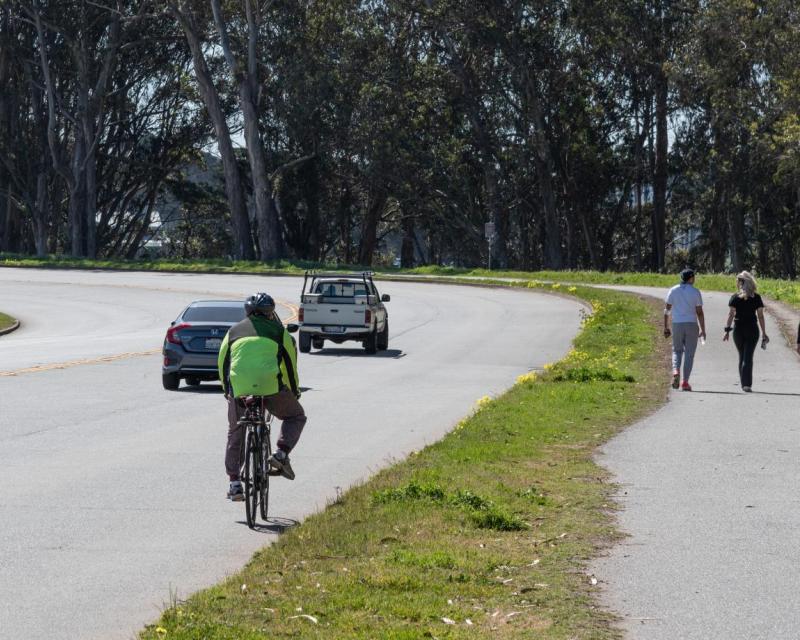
x,y
747,313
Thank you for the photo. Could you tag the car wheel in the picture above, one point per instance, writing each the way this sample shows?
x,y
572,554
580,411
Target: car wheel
x,y
305,343
371,342
383,337
171,381
318,343
192,381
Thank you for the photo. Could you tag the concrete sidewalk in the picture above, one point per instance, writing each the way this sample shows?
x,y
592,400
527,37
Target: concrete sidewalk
x,y
709,496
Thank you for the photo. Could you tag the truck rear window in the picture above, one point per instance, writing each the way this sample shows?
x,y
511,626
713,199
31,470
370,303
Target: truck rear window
x,y
340,289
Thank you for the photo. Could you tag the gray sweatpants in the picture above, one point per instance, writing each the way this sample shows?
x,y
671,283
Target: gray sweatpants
x,y
284,406
684,344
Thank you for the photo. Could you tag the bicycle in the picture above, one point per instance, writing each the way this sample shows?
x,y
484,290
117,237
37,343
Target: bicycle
x,y
256,469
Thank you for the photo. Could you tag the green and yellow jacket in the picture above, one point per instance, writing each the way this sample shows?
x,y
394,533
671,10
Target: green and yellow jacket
x,y
258,357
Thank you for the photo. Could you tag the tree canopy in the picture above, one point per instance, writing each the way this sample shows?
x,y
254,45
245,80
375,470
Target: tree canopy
x,y
605,134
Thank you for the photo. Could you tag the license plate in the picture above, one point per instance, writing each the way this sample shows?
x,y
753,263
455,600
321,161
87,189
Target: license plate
x,y
213,343
333,329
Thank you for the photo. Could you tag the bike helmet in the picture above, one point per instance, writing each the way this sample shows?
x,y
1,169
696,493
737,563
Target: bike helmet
x,y
260,303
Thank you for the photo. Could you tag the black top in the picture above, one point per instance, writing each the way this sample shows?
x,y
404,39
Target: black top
x,y
746,308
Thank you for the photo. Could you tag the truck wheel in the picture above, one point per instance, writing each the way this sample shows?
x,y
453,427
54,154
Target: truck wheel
x,y
305,343
171,381
318,343
371,342
383,338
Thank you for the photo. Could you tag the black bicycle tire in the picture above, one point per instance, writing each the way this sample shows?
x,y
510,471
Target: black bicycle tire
x,y
250,479
266,453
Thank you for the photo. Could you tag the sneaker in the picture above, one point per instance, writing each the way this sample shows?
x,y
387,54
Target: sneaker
x,y
685,386
280,462
676,379
747,389
236,492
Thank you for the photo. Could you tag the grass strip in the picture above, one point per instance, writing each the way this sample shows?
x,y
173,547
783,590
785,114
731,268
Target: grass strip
x,y
778,289
6,321
486,533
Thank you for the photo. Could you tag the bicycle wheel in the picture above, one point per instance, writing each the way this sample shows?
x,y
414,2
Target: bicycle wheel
x,y
251,478
266,452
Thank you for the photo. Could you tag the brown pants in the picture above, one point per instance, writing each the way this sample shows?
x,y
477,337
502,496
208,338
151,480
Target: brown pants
x,y
284,406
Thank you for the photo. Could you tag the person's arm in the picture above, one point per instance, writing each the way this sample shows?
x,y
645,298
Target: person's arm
x,y
764,336
798,338
701,318
728,322
667,312
222,365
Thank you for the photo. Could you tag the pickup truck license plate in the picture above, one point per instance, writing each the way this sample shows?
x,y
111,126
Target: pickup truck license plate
x,y
213,343
333,329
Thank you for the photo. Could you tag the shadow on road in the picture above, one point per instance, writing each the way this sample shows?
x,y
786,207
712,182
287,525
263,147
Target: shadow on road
x,y
273,525
389,353
201,388
742,393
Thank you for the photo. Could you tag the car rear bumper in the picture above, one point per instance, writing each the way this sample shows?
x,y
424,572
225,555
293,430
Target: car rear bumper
x,y
178,360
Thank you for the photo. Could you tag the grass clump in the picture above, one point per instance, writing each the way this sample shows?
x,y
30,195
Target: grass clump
x,y
6,321
485,533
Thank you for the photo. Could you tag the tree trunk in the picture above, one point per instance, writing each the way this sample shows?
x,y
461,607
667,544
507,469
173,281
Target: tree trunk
x,y
660,171
240,221
369,228
407,248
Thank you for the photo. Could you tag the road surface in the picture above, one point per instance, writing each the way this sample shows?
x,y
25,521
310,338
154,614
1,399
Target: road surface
x,y
112,489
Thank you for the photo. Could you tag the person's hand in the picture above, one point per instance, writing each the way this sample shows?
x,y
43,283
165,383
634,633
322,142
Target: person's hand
x,y
667,333
727,336
702,335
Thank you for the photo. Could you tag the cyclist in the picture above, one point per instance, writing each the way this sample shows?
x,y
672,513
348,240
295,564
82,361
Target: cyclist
x,y
258,358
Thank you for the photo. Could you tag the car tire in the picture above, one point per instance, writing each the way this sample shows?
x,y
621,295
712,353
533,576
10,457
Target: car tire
x,y
318,343
171,381
305,343
371,342
192,381
383,338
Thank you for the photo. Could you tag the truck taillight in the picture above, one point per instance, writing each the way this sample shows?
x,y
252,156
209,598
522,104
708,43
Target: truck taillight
x,y
367,316
172,333
300,314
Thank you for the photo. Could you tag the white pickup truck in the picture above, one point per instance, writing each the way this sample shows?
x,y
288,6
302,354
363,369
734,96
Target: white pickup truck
x,y
342,307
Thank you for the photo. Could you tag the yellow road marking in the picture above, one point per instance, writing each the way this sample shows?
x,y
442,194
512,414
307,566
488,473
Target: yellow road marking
x,y
120,356
75,363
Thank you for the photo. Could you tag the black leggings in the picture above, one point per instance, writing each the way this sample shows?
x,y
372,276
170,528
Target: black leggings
x,y
746,339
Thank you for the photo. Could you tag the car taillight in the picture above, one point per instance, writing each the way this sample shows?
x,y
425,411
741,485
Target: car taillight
x,y
367,316
300,314
172,333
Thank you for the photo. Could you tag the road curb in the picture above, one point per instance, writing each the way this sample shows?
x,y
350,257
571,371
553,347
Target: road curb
x,y
13,327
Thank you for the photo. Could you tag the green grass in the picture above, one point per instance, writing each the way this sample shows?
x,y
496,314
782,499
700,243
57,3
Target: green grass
x,y
785,290
6,321
494,524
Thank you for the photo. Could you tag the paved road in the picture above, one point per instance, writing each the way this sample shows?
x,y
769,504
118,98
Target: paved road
x,y
112,489
709,490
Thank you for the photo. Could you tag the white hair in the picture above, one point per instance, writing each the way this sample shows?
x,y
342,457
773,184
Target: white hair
x,y
747,285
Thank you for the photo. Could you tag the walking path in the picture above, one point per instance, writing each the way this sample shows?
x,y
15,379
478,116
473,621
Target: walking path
x,y
709,496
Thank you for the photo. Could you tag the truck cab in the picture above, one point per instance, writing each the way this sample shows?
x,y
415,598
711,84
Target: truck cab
x,y
341,308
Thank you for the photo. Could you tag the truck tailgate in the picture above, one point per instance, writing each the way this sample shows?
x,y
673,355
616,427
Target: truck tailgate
x,y
345,315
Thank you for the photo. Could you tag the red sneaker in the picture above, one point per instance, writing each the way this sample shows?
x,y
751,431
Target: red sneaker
x,y
685,386
676,379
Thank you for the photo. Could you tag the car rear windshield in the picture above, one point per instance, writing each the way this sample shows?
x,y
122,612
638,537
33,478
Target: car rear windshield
x,y
214,314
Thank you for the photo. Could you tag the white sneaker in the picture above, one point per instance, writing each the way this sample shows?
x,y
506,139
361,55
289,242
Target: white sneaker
x,y
236,492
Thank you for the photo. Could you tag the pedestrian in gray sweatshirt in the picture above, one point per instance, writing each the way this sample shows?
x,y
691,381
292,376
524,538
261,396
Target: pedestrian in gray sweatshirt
x,y
684,304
